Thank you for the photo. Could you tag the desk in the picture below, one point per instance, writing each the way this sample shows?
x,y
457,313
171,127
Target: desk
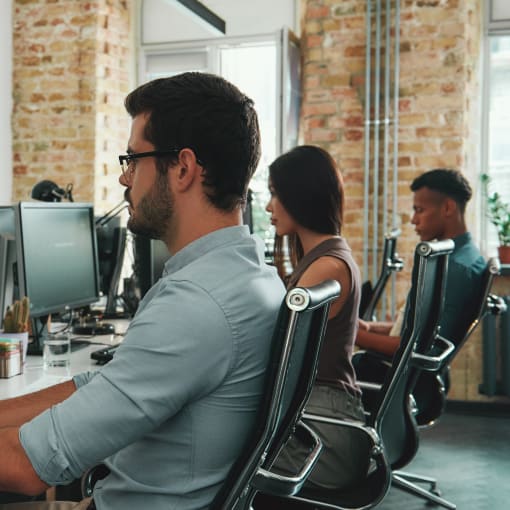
x,y
34,377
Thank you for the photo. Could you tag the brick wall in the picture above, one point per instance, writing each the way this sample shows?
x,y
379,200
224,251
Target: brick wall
x,y
439,88
70,74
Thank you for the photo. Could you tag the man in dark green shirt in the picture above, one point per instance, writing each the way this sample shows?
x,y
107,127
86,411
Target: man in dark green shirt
x,y
439,202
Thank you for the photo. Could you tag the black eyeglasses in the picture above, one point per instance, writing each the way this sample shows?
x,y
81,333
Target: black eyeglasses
x,y
125,160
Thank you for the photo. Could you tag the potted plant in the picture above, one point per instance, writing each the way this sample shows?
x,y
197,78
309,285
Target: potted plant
x,y
498,212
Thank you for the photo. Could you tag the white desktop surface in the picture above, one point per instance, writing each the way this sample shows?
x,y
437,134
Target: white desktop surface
x,y
35,378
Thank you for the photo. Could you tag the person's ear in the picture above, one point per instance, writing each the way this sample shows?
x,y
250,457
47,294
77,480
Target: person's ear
x,y
450,206
187,171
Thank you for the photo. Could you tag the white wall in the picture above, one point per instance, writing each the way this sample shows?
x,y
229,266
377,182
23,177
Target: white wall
x,y
168,21
5,101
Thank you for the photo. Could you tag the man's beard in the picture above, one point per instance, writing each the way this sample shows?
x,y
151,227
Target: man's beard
x,y
153,214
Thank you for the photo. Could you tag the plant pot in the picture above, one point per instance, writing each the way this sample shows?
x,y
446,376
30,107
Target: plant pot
x,y
504,254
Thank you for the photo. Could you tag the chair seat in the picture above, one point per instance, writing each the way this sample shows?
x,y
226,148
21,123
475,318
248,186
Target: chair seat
x,y
356,496
363,494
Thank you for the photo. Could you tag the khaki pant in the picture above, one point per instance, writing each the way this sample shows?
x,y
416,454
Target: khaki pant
x,y
48,505
345,454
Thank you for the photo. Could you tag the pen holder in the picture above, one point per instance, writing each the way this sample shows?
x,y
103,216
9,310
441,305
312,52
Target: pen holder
x,y
22,337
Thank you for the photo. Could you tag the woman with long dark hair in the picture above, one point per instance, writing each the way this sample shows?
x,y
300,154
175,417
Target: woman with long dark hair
x,y
306,207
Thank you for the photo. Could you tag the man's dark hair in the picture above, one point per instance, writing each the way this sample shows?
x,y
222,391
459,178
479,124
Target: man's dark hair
x,y
212,117
448,182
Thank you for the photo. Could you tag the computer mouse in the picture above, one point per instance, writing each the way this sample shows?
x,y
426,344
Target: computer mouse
x,y
104,328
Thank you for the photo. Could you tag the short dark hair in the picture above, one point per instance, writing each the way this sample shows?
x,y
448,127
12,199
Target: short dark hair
x,y
310,188
212,117
448,182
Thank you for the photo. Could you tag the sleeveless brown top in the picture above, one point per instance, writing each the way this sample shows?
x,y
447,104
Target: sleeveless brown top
x,y
335,366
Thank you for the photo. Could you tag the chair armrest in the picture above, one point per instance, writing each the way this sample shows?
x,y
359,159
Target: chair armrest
x,y
396,264
284,485
370,431
433,363
90,477
370,386
496,305
373,354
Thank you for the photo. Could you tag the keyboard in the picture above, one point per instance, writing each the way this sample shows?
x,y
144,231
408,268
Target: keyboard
x,y
104,355
77,344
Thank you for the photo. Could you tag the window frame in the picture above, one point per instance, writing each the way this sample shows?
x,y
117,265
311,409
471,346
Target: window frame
x,y
494,27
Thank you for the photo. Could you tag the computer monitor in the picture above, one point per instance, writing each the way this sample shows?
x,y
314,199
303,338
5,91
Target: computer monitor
x,y
150,258
7,220
8,291
7,259
57,266
111,245
248,212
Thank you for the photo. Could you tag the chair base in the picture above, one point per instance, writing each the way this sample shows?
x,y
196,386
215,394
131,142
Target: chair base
x,y
404,481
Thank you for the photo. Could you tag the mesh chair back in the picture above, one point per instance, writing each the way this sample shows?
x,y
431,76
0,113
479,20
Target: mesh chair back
x,y
296,344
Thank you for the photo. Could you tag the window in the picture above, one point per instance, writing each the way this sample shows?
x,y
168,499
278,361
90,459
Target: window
x,y
497,153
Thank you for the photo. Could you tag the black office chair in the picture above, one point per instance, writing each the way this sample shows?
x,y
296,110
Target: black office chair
x,y
432,388
391,423
436,365
421,334
391,262
297,339
429,393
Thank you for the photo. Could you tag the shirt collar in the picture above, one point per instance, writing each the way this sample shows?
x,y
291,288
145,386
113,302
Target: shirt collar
x,y
462,240
203,245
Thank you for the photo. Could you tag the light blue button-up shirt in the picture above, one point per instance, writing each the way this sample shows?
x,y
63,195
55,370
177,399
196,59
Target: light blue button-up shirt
x,y
171,412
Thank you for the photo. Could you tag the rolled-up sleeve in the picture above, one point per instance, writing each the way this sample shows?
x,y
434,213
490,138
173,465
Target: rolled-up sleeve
x,y
83,378
166,360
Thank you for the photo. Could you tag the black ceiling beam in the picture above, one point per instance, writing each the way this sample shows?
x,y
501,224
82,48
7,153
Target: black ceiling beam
x,y
205,14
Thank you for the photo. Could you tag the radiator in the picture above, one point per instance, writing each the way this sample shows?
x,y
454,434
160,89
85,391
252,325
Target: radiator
x,y
496,353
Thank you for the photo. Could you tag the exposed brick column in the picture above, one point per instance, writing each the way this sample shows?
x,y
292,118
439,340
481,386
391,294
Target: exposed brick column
x,y
70,75
333,42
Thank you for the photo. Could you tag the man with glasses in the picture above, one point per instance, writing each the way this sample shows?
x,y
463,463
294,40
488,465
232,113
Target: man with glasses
x,y
171,412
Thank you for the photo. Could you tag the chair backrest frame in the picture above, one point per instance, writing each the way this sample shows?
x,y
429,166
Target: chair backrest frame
x,y
492,269
431,261
391,263
297,339
392,416
432,387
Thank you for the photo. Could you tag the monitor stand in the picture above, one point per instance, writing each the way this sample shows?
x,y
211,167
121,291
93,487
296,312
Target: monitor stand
x,y
90,325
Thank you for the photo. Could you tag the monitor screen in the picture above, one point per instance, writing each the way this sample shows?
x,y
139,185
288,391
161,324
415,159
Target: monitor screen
x,y
57,264
7,225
